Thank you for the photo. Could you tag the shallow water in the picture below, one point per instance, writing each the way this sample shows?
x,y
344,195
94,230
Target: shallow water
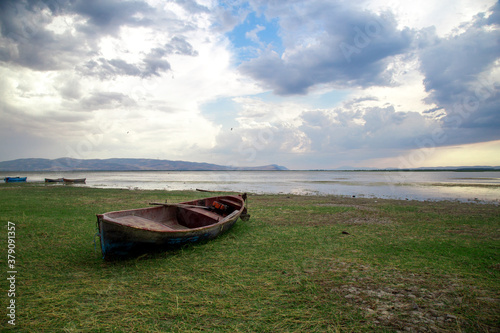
x,y
413,185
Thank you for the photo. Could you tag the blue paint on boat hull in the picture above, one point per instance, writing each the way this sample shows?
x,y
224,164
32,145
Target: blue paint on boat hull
x,y
15,179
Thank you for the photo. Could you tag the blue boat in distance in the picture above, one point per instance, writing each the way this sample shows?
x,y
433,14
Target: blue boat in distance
x,y
15,179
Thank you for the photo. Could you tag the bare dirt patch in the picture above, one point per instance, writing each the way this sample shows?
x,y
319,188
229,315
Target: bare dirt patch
x,y
409,302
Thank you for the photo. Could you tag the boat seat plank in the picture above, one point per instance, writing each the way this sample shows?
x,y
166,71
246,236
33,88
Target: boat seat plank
x,y
207,213
143,223
230,202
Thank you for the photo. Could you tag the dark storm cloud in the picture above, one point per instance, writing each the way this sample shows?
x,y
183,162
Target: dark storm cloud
x,y
108,16
14,20
456,73
42,50
333,44
21,19
337,44
27,41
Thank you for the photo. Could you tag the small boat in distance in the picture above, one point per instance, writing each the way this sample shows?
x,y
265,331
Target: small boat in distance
x,y
51,180
136,231
72,181
15,179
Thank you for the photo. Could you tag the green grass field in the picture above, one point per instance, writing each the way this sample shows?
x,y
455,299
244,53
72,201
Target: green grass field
x,y
300,264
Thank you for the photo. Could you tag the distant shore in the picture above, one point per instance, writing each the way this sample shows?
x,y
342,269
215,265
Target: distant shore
x,y
461,186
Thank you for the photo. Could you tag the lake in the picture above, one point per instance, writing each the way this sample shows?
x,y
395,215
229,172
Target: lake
x,y
412,185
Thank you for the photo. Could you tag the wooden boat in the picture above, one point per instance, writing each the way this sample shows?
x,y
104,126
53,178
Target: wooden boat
x,y
135,231
15,179
77,180
53,180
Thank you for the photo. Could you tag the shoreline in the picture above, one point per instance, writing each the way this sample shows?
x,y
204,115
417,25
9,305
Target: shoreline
x,y
473,200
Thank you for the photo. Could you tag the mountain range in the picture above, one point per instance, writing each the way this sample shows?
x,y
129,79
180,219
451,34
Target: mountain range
x,y
143,164
119,164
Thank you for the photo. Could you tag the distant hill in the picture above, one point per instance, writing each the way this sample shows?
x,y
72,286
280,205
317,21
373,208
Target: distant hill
x,y
118,164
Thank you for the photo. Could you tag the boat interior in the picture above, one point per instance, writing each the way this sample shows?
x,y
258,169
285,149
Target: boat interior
x,y
178,217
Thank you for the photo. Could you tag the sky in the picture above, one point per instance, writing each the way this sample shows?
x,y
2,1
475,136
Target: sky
x,y
307,84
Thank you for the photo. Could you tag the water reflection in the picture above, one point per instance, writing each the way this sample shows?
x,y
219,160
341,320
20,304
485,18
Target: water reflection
x,y
463,186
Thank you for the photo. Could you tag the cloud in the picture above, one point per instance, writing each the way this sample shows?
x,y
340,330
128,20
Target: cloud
x,y
106,69
81,75
106,100
23,124
462,77
15,140
109,16
316,81
294,132
69,87
252,35
329,43
25,41
411,88
192,6
225,19
153,63
179,45
366,129
29,39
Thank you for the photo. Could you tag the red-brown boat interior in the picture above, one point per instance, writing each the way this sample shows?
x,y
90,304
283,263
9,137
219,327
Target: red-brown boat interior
x,y
189,215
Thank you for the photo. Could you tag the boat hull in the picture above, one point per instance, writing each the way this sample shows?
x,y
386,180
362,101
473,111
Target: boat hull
x,y
74,181
51,180
15,179
160,228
